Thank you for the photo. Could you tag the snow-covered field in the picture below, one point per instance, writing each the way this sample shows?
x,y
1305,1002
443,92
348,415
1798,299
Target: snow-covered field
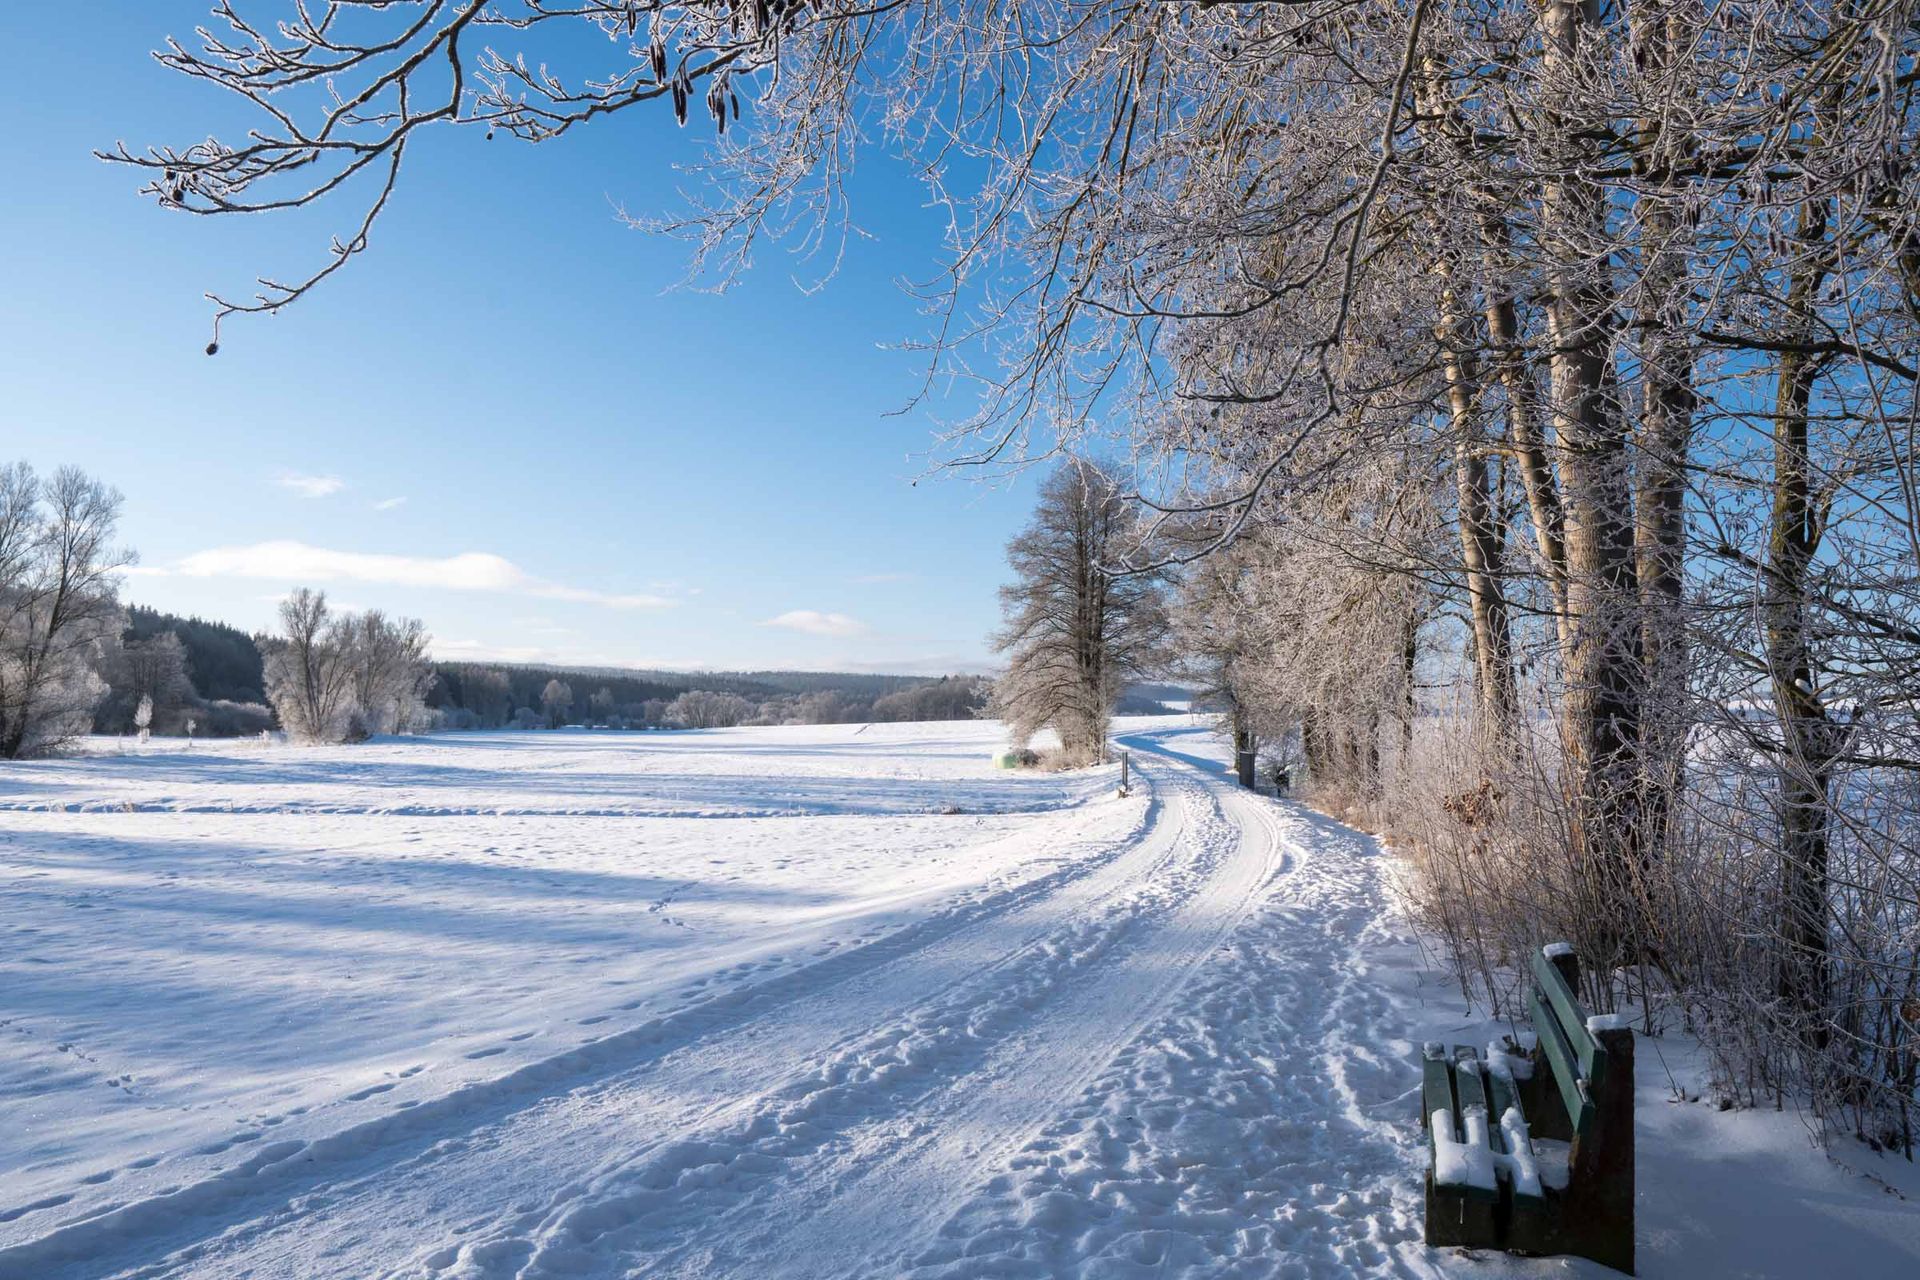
x,y
757,1003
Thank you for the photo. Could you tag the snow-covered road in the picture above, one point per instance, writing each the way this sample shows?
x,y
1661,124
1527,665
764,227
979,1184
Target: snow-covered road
x,y
836,1116
561,1028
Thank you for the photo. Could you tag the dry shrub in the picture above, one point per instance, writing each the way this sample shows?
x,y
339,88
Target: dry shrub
x,y
1484,834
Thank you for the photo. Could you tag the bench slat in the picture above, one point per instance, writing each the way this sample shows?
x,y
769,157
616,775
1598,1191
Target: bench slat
x,y
1466,1074
1573,1019
1463,1161
1517,1144
1436,1089
1566,1066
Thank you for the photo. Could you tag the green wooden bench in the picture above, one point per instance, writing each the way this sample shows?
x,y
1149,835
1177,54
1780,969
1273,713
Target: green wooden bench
x,y
1494,1180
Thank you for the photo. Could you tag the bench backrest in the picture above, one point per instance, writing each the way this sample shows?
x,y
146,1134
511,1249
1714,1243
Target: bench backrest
x,y
1578,1059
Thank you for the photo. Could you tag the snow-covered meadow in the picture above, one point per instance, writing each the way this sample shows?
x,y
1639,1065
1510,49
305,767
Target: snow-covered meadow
x,y
822,1001
223,941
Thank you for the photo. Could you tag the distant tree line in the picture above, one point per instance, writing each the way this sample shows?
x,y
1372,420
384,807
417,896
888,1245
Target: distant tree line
x,y
467,695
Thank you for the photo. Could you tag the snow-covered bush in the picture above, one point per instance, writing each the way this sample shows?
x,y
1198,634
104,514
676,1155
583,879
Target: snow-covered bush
x,y
556,699
340,678
706,709
223,718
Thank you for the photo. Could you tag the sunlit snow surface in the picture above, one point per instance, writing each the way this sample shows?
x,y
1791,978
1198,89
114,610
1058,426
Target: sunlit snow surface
x,y
793,1002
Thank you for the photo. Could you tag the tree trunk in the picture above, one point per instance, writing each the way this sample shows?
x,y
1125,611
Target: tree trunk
x,y
1314,747
1245,751
1666,431
1480,539
1524,440
1602,706
1805,764
1409,659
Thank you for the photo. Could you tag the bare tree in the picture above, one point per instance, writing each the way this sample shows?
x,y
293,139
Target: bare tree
x,y
390,671
343,677
58,606
1075,630
556,700
309,670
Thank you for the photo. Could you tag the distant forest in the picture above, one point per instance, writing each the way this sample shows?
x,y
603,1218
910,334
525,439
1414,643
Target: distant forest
x,y
221,691
222,661
495,695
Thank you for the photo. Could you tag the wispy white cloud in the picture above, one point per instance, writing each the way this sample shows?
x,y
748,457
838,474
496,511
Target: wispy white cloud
x,y
480,651
469,571
815,623
937,664
310,486
388,504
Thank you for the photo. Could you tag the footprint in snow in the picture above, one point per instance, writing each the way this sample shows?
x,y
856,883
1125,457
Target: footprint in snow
x,y
217,1148
48,1202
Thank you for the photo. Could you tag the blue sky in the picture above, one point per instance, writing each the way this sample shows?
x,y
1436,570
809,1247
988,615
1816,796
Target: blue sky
x,y
503,419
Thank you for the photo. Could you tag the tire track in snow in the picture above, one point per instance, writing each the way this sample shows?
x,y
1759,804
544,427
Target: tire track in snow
x,y
655,1196
1259,1130
872,1200
402,1172
644,1208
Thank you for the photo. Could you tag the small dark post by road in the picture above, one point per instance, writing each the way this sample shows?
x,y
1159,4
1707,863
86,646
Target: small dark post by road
x,y
1245,754
1126,760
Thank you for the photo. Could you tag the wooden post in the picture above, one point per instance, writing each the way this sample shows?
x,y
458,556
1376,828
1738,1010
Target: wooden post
x,y
1126,758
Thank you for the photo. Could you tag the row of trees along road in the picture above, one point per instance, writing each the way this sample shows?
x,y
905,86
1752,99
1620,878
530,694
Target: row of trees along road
x,y
1530,387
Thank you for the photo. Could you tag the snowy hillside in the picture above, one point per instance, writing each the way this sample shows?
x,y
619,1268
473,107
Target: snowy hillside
x,y
795,1002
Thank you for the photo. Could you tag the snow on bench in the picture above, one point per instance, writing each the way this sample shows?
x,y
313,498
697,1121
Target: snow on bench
x,y
1566,1085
